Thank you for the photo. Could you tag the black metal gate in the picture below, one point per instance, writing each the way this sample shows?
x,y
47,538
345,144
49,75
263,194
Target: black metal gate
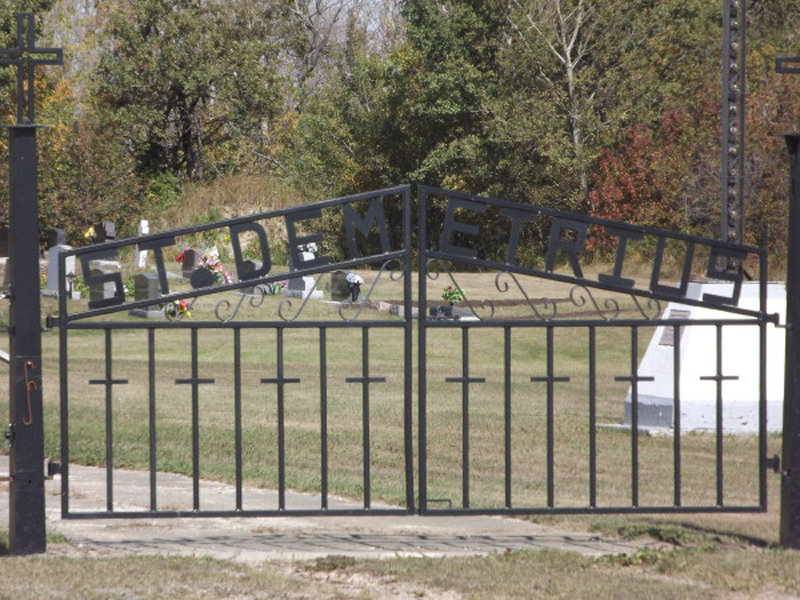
x,y
379,234
521,416
513,427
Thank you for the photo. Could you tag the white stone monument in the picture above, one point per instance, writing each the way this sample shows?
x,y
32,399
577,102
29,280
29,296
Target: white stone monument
x,y
141,255
698,359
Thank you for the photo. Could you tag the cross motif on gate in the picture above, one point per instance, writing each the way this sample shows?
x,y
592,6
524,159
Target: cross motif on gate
x,y
787,64
23,57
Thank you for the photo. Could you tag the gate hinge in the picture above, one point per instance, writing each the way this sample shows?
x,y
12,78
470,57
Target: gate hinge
x,y
774,462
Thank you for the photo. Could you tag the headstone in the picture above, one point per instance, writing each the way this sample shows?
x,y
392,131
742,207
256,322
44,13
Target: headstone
x,y
698,355
147,287
141,255
3,241
106,231
191,260
249,266
340,289
105,290
302,287
52,272
56,237
201,278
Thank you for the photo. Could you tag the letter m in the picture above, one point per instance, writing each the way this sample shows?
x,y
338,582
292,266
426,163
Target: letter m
x,y
374,218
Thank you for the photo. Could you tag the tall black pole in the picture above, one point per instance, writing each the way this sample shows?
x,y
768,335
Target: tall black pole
x,y
27,515
27,533
790,485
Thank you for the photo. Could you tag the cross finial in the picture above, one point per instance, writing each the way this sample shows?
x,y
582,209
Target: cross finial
x,y
23,57
787,64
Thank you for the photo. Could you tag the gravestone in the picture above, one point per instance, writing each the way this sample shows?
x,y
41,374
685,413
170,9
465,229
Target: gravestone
x,y
140,256
147,287
191,260
106,231
107,289
301,287
56,237
202,277
698,355
249,266
340,289
52,272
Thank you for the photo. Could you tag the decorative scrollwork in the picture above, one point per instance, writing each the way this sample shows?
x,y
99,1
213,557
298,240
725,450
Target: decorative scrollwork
x,y
256,296
650,310
395,274
286,302
579,294
503,287
433,274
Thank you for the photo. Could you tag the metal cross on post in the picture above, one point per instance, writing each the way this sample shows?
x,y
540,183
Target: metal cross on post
x,y
23,58
27,533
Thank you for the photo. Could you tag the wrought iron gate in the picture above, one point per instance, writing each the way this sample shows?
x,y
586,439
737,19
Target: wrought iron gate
x,y
523,398
379,235
513,427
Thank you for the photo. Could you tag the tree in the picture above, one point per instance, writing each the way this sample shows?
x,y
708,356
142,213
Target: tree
x,y
179,78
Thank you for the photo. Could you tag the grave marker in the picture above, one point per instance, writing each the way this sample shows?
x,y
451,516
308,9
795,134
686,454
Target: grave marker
x,y
147,287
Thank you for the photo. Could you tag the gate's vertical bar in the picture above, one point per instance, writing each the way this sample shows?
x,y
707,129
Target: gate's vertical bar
x,y
507,348
26,461
790,485
762,385
676,419
109,429
719,418
365,414
465,417
63,361
281,428
550,422
408,356
237,410
422,285
151,371
592,416
634,416
323,414
195,426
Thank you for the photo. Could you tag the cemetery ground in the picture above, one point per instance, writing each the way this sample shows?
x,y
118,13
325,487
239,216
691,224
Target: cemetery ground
x,y
697,555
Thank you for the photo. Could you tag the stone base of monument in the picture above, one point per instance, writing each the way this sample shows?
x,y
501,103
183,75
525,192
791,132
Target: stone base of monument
x,y
302,287
698,359
147,313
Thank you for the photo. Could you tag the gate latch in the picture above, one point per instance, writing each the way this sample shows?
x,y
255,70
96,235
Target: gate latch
x,y
774,462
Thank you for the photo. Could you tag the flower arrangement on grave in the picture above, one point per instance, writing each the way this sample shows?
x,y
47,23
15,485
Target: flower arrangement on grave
x,y
273,289
212,262
178,308
90,234
452,294
354,282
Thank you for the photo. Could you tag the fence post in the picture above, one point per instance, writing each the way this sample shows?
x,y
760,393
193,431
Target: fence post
x,y
790,484
26,509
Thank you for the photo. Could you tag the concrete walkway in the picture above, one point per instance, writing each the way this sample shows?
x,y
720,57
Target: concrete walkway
x,y
258,539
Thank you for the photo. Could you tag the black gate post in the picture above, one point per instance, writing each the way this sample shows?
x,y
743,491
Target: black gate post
x,y
26,509
790,485
26,431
